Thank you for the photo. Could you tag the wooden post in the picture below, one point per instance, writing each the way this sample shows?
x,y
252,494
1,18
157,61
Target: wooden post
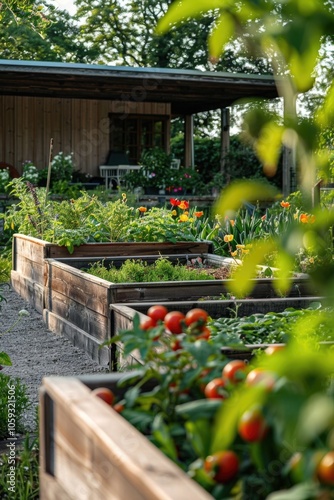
x,y
224,137
188,141
289,173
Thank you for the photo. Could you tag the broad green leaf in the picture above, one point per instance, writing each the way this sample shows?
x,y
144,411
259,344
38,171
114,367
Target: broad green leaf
x,y
239,192
285,265
243,276
179,11
5,359
268,147
196,410
220,35
199,435
225,427
162,435
315,417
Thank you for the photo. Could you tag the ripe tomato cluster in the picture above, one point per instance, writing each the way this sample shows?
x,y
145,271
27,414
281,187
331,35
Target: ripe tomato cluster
x,y
194,322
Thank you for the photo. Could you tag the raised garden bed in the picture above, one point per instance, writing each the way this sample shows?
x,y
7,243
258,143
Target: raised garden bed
x,y
87,450
29,273
122,316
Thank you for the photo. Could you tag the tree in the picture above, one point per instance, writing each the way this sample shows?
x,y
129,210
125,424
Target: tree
x,y
33,31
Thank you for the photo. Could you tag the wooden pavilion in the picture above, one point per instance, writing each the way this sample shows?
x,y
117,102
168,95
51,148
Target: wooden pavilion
x,y
90,110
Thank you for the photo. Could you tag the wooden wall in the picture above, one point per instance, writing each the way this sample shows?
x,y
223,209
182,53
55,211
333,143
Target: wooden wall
x,y
80,126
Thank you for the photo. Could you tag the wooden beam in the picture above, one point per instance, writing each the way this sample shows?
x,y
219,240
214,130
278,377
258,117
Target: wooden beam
x,y
188,141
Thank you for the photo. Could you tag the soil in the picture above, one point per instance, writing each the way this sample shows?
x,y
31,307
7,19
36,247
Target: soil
x,y
36,352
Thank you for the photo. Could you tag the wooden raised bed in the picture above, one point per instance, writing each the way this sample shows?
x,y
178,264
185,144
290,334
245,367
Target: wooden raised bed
x,y
88,451
28,276
121,318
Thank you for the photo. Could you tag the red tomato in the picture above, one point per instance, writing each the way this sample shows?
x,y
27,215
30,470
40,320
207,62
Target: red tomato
x,y
272,349
259,376
157,313
105,394
325,469
174,321
234,370
215,389
204,334
119,407
147,324
196,315
252,425
223,465
176,345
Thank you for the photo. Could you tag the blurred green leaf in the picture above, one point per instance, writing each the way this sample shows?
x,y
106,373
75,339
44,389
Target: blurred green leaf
x,y
5,359
243,276
285,264
220,35
316,416
239,192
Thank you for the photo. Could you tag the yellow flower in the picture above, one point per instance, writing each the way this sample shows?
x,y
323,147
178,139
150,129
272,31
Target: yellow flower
x,y
228,238
123,195
311,260
142,209
183,218
174,212
234,254
240,246
243,250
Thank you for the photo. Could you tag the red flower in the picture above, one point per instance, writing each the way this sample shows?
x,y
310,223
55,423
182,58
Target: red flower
x,y
174,202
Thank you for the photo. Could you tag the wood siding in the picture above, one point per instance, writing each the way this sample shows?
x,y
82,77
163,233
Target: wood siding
x,y
80,126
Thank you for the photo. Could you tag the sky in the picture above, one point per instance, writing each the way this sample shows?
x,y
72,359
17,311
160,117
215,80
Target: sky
x,y
65,5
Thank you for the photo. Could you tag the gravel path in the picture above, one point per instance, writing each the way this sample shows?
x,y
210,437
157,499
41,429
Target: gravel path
x,y
36,352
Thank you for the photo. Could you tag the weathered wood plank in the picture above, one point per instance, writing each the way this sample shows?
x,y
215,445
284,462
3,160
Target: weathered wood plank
x,y
86,319
80,338
115,460
29,290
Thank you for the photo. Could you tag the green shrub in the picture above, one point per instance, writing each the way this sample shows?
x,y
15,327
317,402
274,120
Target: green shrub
x,y
14,385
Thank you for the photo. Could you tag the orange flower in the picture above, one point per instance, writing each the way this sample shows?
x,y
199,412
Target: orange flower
x,y
263,217
232,222
285,204
142,209
303,218
228,238
184,205
198,214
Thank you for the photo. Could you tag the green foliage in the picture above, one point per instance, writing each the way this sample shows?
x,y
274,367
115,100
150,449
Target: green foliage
x,y
21,403
30,172
4,180
26,472
137,270
272,328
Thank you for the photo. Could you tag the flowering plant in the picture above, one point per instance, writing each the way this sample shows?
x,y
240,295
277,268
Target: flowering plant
x,y
30,172
4,179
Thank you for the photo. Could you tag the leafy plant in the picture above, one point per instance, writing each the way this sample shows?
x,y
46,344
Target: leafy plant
x,y
26,471
4,180
30,172
21,403
137,270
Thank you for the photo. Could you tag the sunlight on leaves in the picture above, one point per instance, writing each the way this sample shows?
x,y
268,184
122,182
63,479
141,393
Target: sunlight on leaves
x,y
285,264
242,283
179,11
220,35
239,192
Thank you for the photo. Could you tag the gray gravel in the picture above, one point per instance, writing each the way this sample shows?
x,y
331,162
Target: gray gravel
x,y
36,352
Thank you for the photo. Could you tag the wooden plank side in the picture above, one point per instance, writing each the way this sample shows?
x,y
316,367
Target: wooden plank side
x,y
29,290
131,248
80,338
75,285
35,271
78,315
32,248
121,457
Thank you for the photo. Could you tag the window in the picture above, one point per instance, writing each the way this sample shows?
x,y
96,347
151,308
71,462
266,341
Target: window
x,y
134,134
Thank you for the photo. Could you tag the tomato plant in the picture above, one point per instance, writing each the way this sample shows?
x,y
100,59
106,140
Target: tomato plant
x,y
252,425
223,466
215,389
234,371
105,394
196,315
174,322
157,313
147,324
